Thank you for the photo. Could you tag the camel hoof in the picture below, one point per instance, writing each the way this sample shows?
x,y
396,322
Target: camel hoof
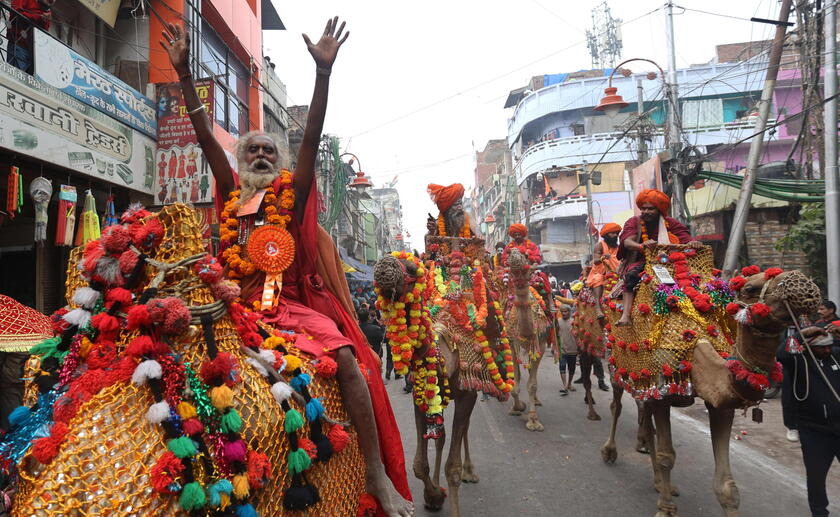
x,y
534,426
642,449
609,454
593,416
538,402
469,477
433,499
515,412
675,492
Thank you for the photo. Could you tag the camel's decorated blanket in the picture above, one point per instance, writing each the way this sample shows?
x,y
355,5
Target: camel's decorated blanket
x,y
585,325
160,394
681,298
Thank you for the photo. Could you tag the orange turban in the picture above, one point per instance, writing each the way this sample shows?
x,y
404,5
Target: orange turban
x,y
656,198
445,197
518,229
610,228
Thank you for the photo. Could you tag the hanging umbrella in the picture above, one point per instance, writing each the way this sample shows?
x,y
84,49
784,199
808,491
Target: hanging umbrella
x,y
21,327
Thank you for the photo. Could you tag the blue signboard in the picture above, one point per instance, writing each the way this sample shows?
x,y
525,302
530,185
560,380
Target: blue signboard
x,y
78,77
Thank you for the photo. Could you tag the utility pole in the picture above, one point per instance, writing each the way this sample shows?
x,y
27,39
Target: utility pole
x,y
640,110
832,196
588,183
674,128
742,208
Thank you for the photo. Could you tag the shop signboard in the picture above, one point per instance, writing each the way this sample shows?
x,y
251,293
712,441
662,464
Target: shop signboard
x,y
646,175
183,174
61,67
39,121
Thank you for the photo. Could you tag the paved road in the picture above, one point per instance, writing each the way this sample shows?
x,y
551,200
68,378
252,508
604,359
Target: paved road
x,y
559,471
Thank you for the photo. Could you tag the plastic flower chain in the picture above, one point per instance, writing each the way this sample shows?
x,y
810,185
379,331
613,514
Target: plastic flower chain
x,y
755,378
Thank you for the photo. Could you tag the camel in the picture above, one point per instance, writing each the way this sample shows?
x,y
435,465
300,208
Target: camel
x,y
766,304
114,448
528,327
457,365
590,335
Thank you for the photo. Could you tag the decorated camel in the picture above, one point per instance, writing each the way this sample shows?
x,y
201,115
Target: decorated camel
x,y
161,394
446,331
691,337
589,331
528,327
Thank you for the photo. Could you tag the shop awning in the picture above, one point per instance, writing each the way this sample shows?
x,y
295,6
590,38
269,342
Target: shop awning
x,y
363,273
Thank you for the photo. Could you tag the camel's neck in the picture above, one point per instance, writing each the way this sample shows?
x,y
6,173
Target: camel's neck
x,y
522,298
757,349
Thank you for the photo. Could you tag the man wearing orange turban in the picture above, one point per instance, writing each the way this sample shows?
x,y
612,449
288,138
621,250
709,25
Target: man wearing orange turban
x,y
651,227
452,220
519,233
605,260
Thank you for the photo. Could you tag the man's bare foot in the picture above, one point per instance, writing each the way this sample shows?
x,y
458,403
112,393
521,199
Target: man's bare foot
x,y
624,321
391,501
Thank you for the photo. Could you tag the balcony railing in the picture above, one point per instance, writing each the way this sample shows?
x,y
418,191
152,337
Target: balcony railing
x,y
573,150
573,206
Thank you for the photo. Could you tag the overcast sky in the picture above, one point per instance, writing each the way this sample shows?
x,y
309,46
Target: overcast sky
x,y
419,86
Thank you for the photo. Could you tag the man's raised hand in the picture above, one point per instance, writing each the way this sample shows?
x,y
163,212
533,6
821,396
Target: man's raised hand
x,y
177,45
325,51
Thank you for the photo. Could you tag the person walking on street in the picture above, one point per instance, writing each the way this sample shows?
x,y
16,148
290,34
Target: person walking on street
x,y
816,384
569,346
373,332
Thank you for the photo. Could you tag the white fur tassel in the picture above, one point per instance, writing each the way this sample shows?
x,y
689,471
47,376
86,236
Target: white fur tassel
x,y
281,391
149,369
743,316
78,317
86,297
257,366
158,412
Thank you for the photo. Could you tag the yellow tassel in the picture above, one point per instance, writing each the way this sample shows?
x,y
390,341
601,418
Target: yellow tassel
x,y
225,501
240,486
221,397
186,410
273,342
84,347
293,362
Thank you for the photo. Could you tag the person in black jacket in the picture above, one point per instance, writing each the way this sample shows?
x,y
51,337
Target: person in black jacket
x,y
818,408
373,332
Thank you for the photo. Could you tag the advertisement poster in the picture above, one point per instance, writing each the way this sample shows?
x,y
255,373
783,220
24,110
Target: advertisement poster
x,y
183,174
105,9
38,120
65,70
645,176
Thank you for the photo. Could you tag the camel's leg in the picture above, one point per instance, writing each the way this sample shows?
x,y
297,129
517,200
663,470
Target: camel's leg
x,y
465,401
609,452
665,456
533,423
518,405
585,371
468,474
643,443
720,424
433,496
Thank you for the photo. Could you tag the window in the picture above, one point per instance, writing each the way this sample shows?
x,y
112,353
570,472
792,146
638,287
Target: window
x,y
232,80
702,113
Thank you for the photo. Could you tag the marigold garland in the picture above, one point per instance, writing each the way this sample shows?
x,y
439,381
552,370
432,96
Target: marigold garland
x,y
465,231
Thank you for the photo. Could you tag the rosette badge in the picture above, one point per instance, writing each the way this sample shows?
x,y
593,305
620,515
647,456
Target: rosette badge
x,y
271,249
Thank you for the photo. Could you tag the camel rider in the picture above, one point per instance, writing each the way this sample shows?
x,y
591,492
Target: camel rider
x,y
452,219
519,233
650,228
267,203
605,261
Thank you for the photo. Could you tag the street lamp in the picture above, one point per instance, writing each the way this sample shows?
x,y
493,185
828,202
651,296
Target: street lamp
x,y
612,103
360,183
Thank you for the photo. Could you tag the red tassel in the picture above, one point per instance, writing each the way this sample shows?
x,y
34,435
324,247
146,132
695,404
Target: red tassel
x,y
326,367
338,437
309,446
192,426
367,506
138,316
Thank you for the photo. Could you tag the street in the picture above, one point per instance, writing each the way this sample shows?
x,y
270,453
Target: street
x,y
560,472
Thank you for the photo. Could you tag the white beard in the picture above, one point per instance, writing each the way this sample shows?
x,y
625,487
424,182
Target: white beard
x,y
252,180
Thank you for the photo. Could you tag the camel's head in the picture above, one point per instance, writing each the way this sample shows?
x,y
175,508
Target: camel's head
x,y
768,295
520,269
393,277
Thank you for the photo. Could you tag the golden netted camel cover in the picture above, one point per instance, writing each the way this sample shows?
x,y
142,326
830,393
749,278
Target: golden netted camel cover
x,y
681,298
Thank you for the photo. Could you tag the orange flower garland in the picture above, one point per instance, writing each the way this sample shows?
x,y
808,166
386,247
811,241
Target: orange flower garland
x,y
279,214
465,232
671,237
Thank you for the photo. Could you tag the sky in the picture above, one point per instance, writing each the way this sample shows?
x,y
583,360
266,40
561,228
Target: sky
x,y
420,86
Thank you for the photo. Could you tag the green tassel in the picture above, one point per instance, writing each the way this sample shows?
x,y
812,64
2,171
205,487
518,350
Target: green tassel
x,y
192,497
299,461
231,422
47,347
182,447
294,421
